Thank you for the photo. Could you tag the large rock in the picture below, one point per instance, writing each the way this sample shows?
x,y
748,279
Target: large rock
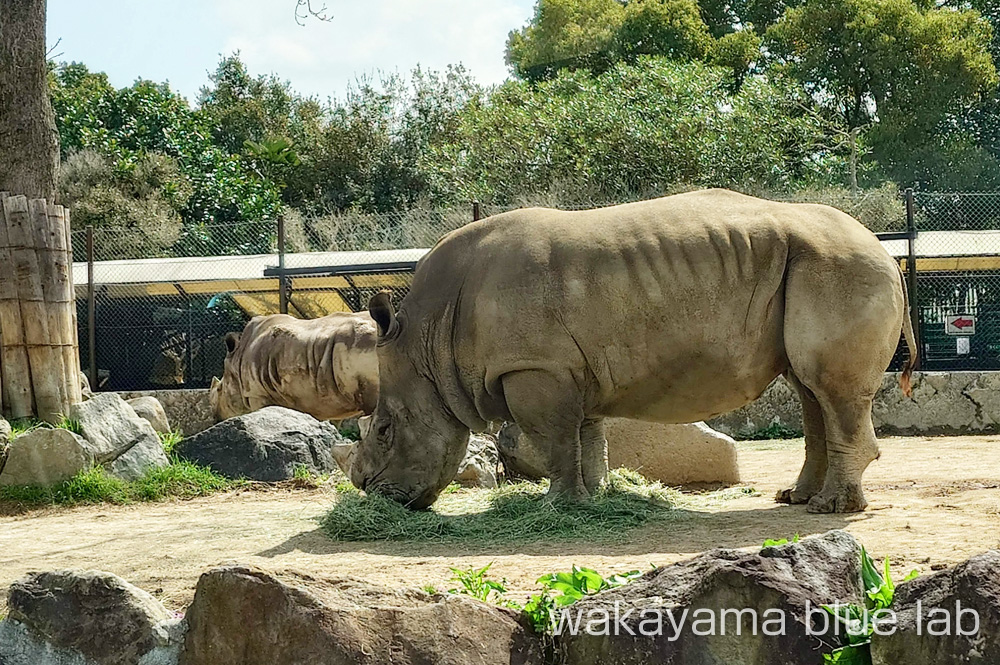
x,y
46,457
268,445
111,426
693,454
85,618
479,468
244,616
149,409
966,597
133,464
789,581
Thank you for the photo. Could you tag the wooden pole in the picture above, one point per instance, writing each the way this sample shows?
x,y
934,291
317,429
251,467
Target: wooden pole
x,y
45,372
71,353
18,394
44,239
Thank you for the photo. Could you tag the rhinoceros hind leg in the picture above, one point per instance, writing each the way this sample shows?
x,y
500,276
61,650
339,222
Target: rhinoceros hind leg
x,y
850,447
813,474
549,410
594,454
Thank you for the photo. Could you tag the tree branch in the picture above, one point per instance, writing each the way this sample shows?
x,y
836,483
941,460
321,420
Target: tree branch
x,y
304,9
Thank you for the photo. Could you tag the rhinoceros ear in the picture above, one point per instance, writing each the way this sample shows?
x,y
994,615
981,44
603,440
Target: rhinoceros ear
x,y
380,307
232,339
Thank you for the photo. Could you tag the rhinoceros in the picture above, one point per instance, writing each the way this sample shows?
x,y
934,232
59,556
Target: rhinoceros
x,y
672,310
326,367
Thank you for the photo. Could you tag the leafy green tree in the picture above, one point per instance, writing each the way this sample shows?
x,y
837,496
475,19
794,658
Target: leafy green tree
x,y
636,130
565,34
125,125
671,28
239,107
145,196
889,63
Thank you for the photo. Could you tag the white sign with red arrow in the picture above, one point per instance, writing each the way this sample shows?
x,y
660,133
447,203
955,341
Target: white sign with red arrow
x,y
960,324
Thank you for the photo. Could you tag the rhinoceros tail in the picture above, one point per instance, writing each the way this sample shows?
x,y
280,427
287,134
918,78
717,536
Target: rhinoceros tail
x,y
911,342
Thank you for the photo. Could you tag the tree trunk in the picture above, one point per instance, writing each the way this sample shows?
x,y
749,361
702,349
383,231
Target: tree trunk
x,y
29,142
855,190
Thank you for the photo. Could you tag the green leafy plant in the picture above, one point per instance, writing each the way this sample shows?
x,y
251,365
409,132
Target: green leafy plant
x,y
782,541
474,582
170,440
860,623
563,589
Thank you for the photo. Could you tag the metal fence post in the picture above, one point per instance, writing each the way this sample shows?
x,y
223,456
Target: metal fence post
x,y
91,313
911,272
477,211
282,279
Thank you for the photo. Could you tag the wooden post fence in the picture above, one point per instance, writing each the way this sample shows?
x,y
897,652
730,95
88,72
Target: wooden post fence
x,y
39,351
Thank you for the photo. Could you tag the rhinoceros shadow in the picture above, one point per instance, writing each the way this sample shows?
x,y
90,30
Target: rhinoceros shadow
x,y
693,531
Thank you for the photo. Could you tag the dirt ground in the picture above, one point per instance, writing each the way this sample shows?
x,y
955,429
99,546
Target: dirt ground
x,y
933,501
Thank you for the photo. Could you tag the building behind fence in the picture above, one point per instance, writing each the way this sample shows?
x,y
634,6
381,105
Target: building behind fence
x,y
153,310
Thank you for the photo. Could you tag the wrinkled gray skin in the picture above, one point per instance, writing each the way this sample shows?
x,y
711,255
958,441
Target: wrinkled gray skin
x,y
673,310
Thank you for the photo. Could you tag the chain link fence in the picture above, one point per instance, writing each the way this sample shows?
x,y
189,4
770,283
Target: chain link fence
x,y
154,307
957,298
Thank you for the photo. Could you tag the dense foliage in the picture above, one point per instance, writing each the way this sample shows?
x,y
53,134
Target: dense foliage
x,y
610,100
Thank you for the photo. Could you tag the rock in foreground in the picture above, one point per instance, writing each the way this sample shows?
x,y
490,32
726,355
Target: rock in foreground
x,y
967,597
244,616
267,445
785,581
85,618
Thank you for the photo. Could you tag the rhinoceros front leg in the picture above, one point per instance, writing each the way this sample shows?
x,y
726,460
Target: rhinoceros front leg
x,y
594,454
548,409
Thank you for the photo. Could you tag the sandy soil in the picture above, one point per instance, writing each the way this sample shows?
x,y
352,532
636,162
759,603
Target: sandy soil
x,y
932,502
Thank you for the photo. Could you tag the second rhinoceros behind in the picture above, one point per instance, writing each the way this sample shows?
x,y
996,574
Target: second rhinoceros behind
x,y
325,367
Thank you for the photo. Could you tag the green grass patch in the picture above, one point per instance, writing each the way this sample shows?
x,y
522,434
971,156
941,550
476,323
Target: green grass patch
x,y
512,513
25,425
170,440
772,431
178,480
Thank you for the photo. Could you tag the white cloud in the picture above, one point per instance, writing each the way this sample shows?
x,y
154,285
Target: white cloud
x,y
362,38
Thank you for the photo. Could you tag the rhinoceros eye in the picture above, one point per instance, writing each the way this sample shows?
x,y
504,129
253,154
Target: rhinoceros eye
x,y
383,430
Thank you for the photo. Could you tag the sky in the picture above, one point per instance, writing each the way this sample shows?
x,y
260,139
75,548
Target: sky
x,y
181,41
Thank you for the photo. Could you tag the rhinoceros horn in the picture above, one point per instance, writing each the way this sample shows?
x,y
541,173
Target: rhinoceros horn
x,y
342,454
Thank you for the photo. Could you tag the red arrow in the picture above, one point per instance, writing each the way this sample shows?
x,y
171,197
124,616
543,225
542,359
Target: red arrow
x,y
963,323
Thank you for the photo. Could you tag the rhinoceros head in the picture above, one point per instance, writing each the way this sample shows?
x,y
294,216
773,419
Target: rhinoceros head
x,y
224,396
414,445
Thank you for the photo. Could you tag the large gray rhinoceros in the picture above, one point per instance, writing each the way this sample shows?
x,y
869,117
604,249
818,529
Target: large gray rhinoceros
x,y
673,310
325,367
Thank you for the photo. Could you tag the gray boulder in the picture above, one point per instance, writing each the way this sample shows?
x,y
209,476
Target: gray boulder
x,y
958,620
245,616
86,618
145,455
730,588
46,457
149,409
479,468
268,445
111,426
